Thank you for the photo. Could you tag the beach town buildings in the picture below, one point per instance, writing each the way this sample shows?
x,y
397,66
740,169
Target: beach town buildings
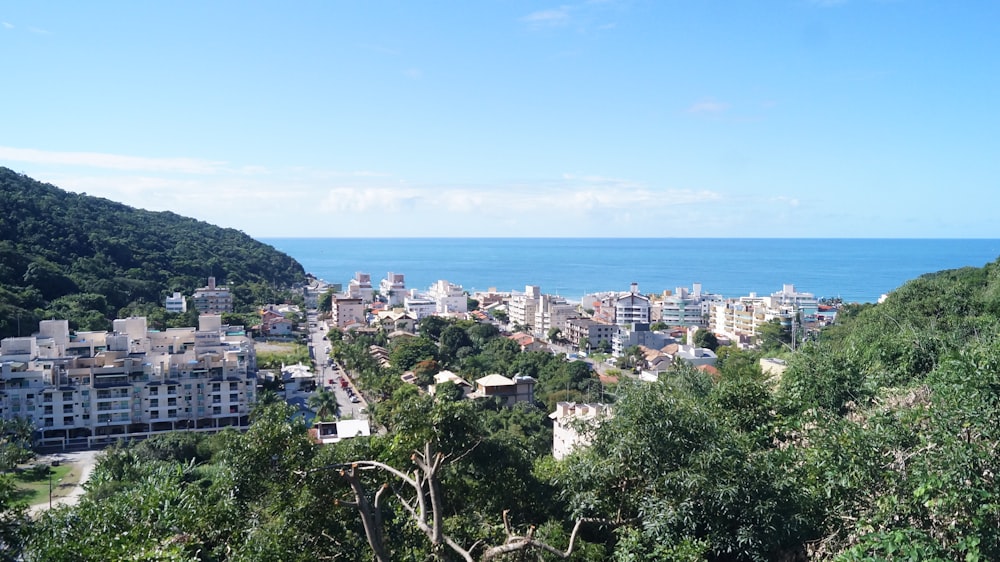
x,y
741,319
393,288
623,308
212,299
589,332
418,305
509,391
573,426
87,388
176,304
361,288
684,308
522,307
347,311
448,298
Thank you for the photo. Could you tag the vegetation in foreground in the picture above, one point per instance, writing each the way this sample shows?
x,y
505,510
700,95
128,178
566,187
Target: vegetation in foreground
x,y
878,443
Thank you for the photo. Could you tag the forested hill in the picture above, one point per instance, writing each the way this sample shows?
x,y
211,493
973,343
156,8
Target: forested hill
x,y
86,258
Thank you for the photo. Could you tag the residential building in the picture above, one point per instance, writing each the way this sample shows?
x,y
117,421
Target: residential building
x,y
86,388
522,307
448,298
625,337
176,304
589,331
805,304
685,308
419,306
393,288
552,312
510,391
397,320
624,308
361,288
573,426
347,311
212,299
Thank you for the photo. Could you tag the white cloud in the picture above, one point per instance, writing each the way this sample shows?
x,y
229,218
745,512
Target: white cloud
x,y
38,30
7,25
111,161
555,16
414,73
708,107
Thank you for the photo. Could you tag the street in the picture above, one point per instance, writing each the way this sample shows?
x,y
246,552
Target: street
x,y
328,372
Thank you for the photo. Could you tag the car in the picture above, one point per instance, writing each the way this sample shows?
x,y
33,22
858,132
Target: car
x,y
355,399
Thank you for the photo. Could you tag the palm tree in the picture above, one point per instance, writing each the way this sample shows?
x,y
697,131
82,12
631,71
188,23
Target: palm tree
x,y
324,403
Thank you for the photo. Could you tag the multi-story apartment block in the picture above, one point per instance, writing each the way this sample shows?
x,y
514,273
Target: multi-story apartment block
x,y
361,288
685,308
84,388
448,298
176,304
625,337
624,308
346,311
589,331
211,299
805,304
523,307
552,312
745,316
393,288
419,306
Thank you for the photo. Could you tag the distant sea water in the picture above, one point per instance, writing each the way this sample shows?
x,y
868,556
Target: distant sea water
x,y
856,270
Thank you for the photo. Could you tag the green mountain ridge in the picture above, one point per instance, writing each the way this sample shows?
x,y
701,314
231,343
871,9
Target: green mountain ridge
x,y
89,259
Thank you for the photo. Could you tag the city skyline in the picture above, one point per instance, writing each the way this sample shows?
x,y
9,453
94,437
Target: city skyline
x,y
603,118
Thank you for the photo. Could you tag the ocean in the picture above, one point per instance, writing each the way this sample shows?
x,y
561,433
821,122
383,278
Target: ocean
x,y
855,270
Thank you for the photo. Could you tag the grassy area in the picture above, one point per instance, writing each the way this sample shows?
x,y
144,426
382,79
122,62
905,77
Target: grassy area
x,y
33,483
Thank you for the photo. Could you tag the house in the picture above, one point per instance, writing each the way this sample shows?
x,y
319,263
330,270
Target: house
x,y
448,376
279,326
397,320
324,433
448,298
528,342
510,391
573,426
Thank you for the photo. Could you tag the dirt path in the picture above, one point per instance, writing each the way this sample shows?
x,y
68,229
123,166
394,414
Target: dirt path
x,y
82,463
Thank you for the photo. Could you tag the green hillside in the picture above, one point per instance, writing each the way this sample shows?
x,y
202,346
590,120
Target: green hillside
x,y
86,258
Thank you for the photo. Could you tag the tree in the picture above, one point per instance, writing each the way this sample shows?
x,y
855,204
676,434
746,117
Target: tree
x,y
705,338
422,498
324,403
554,334
407,352
658,325
15,442
500,315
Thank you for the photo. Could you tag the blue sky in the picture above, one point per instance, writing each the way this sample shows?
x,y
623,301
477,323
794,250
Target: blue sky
x,y
796,118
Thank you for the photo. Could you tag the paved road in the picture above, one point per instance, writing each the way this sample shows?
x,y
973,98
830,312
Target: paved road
x,y
327,372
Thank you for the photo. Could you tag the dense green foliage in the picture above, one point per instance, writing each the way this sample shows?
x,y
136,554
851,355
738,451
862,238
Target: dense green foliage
x,y
878,443
87,259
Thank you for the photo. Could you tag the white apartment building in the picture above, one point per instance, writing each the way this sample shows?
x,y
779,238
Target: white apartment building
x,y
523,307
212,299
361,288
685,308
745,316
573,426
85,388
176,304
806,304
624,308
419,306
393,288
448,298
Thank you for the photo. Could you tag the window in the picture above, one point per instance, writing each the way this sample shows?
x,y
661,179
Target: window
x,y
154,402
68,420
216,387
67,408
216,410
171,401
234,397
233,385
67,396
